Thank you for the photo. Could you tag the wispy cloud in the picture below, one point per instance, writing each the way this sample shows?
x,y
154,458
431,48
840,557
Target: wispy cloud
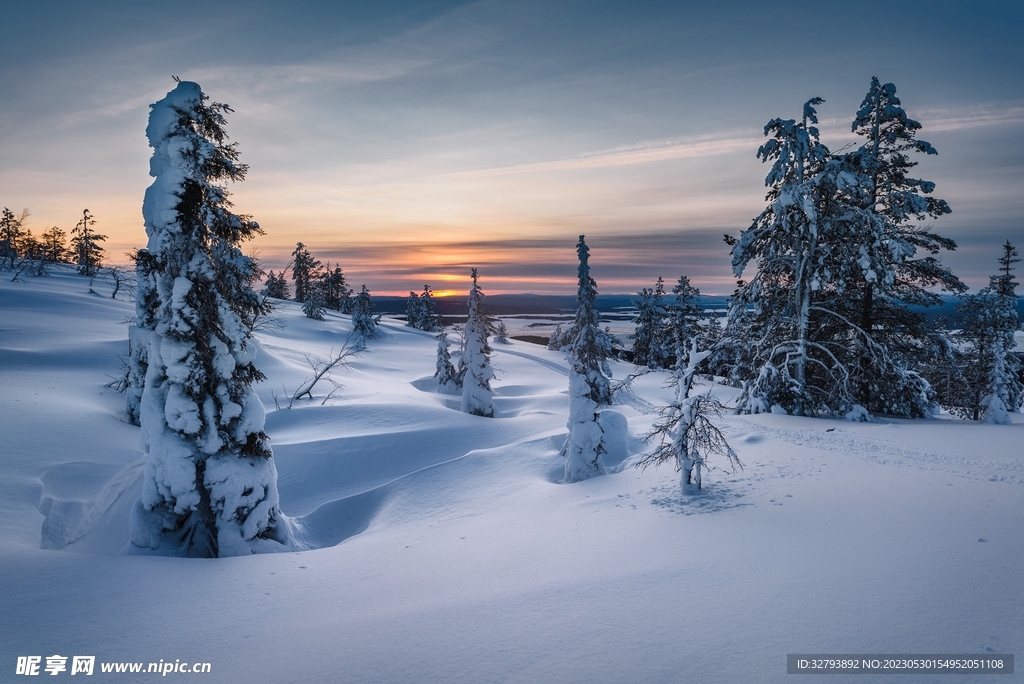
x,y
646,152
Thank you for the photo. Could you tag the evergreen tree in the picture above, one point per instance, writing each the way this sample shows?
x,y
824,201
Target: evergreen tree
x,y
559,339
897,255
336,291
649,345
476,386
305,269
364,323
1003,284
54,245
414,311
501,333
88,254
276,286
990,386
210,485
315,302
11,234
788,241
685,322
444,370
589,385
431,321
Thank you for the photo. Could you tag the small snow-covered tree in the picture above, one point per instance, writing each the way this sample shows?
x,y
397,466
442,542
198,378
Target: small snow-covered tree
x,y
364,323
337,294
210,484
501,333
990,387
11,233
558,340
305,270
477,397
315,302
589,385
687,436
414,311
54,244
276,286
85,245
685,321
649,345
431,320
444,370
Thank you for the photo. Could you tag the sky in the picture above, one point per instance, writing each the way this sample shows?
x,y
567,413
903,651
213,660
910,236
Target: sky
x,y
410,141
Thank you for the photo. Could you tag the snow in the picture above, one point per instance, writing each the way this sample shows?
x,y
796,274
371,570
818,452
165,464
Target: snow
x,y
443,547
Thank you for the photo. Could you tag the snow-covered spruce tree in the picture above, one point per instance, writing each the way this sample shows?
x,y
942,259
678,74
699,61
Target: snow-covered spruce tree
x,y
589,386
990,387
649,345
557,341
276,286
687,436
11,234
305,270
364,323
414,311
336,291
501,333
477,397
431,319
316,301
210,485
444,370
784,242
897,255
54,245
84,244
685,321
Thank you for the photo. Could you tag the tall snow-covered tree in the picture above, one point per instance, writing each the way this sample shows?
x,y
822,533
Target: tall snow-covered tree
x,y
477,397
650,347
898,258
305,270
364,323
589,385
210,484
786,243
85,245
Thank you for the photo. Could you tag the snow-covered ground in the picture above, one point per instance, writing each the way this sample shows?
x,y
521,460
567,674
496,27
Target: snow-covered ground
x,y
443,547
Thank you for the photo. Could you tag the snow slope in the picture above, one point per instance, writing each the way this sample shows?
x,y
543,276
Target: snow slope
x,y
443,548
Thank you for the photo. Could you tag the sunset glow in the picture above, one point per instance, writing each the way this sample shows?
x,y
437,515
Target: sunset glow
x,y
410,144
